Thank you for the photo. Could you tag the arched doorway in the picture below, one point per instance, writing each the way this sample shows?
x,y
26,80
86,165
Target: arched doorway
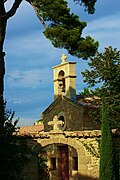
x,y
76,155
62,160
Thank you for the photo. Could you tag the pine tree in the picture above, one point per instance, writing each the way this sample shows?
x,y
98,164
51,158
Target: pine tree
x,y
106,146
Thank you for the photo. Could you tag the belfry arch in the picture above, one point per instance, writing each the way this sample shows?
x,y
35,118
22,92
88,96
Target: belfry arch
x,y
61,81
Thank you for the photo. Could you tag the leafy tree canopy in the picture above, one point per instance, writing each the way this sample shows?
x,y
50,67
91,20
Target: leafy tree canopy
x,y
104,70
13,150
16,153
64,29
89,5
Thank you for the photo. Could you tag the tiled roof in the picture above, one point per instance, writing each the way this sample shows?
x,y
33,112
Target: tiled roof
x,y
67,134
93,102
31,129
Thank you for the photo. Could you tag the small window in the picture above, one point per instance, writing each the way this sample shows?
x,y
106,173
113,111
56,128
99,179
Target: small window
x,y
75,163
61,118
52,163
61,74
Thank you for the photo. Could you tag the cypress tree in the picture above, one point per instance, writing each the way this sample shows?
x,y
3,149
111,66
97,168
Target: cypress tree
x,y
106,146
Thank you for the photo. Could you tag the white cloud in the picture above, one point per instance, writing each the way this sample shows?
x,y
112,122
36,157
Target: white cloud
x,y
31,49
110,23
27,43
25,121
30,78
18,100
30,57
106,30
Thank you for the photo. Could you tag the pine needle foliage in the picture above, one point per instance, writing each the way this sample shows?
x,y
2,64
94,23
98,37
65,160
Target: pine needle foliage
x,y
88,4
64,28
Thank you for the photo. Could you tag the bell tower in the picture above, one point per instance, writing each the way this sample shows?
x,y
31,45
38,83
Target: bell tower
x,y
65,79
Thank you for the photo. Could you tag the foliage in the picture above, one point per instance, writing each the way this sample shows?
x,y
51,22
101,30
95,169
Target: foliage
x,y
89,5
93,150
106,146
64,29
40,120
42,167
13,150
104,72
15,153
85,92
105,69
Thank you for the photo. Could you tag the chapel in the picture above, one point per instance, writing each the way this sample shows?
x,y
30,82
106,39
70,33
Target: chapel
x,y
68,135
67,106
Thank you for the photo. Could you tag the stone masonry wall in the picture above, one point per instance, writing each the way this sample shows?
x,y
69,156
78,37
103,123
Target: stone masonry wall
x,y
75,116
80,141
88,163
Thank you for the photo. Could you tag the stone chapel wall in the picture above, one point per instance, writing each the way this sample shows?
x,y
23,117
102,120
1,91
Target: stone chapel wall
x,y
76,117
88,163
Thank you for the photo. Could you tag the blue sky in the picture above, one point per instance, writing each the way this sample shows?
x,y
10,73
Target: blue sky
x,y
30,56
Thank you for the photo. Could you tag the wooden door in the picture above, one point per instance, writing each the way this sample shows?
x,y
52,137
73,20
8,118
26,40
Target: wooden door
x,y
64,163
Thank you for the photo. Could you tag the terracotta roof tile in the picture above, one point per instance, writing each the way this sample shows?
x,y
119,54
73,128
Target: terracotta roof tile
x,y
31,129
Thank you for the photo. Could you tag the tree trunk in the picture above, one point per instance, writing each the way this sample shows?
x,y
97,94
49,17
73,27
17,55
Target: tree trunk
x,y
3,22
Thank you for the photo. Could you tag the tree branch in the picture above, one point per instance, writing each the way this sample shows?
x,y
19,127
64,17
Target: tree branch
x,y
14,8
35,7
41,20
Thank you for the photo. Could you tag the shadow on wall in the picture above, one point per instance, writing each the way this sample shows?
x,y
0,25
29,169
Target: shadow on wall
x,y
69,93
36,168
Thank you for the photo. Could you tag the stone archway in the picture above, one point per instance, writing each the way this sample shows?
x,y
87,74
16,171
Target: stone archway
x,y
88,164
72,142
